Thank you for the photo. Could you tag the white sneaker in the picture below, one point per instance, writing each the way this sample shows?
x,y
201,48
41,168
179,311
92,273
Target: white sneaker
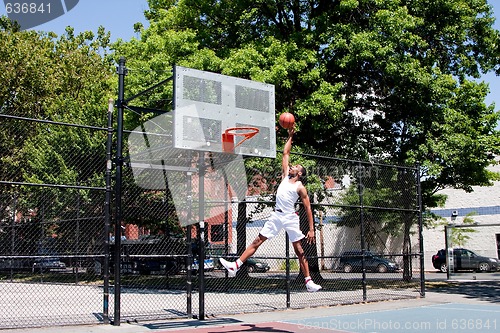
x,y
230,266
312,287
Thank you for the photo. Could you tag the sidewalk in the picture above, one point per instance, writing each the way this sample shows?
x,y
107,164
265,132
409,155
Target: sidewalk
x,y
471,293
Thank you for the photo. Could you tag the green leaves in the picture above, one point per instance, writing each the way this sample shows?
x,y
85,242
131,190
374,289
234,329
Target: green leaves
x,y
65,79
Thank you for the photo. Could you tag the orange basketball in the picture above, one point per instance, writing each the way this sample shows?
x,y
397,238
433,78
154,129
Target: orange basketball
x,y
287,120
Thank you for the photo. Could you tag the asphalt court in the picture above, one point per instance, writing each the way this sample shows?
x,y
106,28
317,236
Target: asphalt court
x,y
439,318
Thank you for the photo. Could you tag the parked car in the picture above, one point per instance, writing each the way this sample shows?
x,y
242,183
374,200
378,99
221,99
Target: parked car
x,y
257,266
464,260
351,261
48,264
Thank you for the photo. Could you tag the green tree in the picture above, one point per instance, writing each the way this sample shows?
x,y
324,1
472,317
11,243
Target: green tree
x,y
66,79
24,68
460,236
385,80
81,82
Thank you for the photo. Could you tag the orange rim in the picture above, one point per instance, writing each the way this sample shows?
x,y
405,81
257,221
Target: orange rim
x,y
233,131
251,131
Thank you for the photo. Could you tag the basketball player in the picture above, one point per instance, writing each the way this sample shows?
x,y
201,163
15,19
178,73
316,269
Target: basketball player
x,y
284,216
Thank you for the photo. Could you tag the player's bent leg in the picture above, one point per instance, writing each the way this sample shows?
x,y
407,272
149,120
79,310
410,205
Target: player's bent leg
x,y
304,266
252,248
299,251
233,267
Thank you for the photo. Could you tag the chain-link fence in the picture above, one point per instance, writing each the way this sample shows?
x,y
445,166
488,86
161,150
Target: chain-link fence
x,y
52,222
371,209
64,260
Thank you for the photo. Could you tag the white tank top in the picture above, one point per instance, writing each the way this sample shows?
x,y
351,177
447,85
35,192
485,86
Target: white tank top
x,y
286,196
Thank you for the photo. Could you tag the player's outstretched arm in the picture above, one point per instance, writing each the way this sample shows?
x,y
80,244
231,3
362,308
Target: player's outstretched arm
x,y
286,153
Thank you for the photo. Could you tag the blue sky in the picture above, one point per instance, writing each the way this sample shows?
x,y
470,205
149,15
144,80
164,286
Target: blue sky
x,y
119,16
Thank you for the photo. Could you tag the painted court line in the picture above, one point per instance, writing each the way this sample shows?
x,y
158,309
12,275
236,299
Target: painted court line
x,y
467,307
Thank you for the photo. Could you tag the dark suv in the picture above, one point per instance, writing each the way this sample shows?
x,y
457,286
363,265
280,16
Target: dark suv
x,y
351,261
465,260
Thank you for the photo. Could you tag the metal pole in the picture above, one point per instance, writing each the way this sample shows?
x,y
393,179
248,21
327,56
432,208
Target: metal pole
x,y
122,72
287,253
226,222
107,210
77,235
420,234
362,228
322,240
201,235
446,233
13,237
189,259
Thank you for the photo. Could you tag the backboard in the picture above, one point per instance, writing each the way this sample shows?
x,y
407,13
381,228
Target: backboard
x,y
207,104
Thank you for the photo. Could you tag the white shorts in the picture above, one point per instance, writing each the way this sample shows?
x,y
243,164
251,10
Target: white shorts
x,y
278,221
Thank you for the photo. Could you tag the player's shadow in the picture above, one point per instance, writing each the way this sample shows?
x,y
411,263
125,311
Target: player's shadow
x,y
216,325
256,328
184,324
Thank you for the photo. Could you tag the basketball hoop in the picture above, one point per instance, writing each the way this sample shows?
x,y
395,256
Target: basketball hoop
x,y
229,134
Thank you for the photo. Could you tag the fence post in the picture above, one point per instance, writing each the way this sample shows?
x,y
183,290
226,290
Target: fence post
x,y
287,265
447,245
362,228
122,72
189,258
201,235
420,234
13,235
107,213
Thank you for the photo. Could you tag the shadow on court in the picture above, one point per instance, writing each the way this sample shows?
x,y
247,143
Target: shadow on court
x,y
488,291
270,327
231,325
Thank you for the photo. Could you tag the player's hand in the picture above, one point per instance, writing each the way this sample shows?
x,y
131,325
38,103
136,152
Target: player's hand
x,y
291,131
311,239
